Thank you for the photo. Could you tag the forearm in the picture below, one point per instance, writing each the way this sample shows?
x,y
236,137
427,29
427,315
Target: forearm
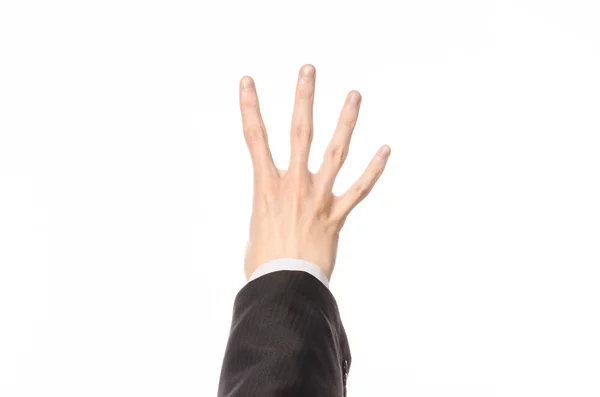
x,y
286,339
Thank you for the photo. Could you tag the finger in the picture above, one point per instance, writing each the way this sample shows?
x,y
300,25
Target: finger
x,y
338,148
254,129
302,118
362,187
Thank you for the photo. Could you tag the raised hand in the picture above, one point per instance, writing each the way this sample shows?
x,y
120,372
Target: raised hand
x,y
295,213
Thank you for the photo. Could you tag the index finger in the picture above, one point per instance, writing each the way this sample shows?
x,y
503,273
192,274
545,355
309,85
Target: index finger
x,y
255,132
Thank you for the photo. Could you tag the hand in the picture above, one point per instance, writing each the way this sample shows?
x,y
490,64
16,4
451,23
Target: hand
x,y
295,213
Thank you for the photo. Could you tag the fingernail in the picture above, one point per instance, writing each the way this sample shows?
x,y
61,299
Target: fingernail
x,y
247,83
354,98
308,71
384,151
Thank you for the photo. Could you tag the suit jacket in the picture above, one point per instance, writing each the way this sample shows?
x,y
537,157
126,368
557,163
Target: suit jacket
x,y
286,340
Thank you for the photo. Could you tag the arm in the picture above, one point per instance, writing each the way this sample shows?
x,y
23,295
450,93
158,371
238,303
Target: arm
x,y
286,336
286,339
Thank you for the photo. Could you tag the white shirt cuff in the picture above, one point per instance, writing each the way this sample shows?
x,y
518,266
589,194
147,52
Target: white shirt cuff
x,y
291,264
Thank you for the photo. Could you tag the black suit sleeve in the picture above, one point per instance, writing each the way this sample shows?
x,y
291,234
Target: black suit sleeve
x,y
286,340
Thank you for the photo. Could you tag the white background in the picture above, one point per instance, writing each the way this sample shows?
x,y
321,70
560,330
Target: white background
x,y
472,269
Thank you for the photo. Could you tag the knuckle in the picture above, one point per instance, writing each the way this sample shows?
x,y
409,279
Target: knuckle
x,y
270,195
249,104
362,190
373,173
376,174
306,90
267,191
349,122
323,203
254,133
249,101
337,154
296,184
303,130
333,227
340,223
338,218
308,93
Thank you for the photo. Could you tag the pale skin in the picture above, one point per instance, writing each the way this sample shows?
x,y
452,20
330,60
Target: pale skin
x,y
294,212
